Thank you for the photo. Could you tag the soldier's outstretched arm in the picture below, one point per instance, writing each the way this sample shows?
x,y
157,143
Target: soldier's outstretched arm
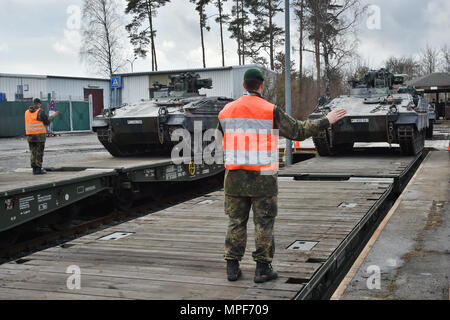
x,y
294,129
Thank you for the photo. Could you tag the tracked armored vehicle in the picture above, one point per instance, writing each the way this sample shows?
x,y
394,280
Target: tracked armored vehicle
x,y
375,114
146,127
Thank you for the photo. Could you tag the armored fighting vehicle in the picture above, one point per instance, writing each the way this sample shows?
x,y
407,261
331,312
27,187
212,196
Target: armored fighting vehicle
x,y
146,127
375,114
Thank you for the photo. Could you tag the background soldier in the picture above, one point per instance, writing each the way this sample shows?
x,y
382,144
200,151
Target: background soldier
x,y
35,121
254,184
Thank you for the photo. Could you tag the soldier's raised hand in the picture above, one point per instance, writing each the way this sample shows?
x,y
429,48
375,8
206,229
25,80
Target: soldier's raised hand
x,y
336,115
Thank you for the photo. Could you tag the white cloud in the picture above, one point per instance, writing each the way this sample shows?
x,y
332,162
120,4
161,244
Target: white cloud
x,y
169,44
4,47
407,25
194,58
70,44
436,16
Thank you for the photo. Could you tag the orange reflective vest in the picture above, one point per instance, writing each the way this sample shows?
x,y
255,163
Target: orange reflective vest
x,y
249,141
32,124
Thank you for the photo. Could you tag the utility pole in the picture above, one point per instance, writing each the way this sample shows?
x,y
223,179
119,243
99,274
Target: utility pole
x,y
287,72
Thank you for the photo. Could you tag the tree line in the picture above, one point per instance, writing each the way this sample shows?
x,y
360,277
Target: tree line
x,y
428,60
251,23
326,30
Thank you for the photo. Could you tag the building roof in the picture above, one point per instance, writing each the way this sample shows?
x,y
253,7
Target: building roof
x,y
146,73
37,76
437,79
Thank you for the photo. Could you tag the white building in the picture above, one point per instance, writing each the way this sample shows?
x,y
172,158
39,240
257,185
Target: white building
x,y
134,87
18,87
227,82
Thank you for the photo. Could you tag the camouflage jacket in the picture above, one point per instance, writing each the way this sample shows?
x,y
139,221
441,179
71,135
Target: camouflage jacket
x,y
42,116
246,183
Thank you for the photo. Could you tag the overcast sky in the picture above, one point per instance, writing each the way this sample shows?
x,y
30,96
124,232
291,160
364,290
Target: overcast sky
x,y
39,37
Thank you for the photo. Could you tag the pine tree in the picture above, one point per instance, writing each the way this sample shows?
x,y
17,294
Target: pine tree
x,y
266,35
299,7
200,7
221,20
142,34
241,18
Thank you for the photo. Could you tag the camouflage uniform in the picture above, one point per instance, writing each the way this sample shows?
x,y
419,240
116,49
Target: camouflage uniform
x,y
36,142
245,189
37,153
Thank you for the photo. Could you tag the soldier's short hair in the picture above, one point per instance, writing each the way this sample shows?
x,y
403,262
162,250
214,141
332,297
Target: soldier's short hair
x,y
252,84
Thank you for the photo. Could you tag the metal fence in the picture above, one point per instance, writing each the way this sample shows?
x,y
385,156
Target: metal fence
x,y
74,116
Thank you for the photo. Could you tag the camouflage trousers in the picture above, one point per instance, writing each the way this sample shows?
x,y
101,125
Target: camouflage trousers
x,y
37,153
264,213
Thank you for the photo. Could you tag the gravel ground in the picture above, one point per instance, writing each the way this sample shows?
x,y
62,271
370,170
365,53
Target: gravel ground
x,y
14,152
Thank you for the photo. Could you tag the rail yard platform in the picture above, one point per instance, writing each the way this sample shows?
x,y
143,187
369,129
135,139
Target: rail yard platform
x,y
177,253
408,256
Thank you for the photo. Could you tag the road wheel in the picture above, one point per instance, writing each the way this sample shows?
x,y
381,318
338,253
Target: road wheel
x,y
324,148
411,140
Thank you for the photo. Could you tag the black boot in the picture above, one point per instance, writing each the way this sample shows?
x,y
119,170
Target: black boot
x,y
233,270
39,171
34,170
264,272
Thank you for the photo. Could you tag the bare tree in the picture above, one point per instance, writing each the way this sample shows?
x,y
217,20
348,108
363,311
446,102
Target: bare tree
x,y
101,36
331,26
403,65
356,69
429,58
445,53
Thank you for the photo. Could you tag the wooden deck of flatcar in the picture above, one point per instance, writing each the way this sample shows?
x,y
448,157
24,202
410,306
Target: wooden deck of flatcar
x,y
176,253
388,165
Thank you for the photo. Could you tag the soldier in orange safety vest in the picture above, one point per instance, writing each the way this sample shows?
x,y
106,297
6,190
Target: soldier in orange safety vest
x,y
35,122
250,127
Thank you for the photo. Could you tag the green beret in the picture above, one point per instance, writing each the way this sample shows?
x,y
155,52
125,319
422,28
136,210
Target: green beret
x,y
253,74
37,100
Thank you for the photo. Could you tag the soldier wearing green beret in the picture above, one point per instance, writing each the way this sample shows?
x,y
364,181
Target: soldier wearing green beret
x,y
245,189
